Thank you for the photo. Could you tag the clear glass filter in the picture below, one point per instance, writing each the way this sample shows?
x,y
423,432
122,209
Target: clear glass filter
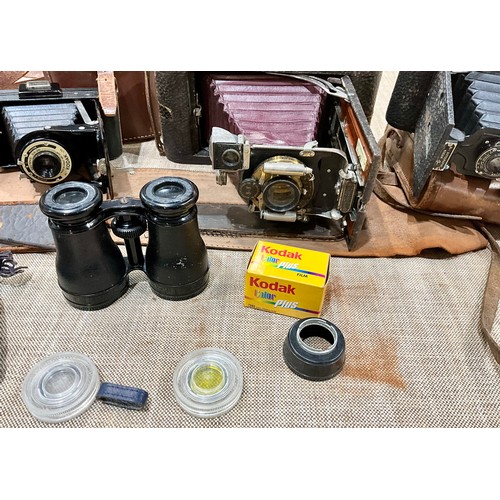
x,y
208,382
61,387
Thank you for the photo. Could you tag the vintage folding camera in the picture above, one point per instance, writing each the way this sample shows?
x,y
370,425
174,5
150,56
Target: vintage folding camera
x,y
457,122
54,135
298,147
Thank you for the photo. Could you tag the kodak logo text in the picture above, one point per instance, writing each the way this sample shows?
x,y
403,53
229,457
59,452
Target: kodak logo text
x,y
281,253
275,286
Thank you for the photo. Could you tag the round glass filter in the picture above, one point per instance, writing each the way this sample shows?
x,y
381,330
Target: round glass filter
x,y
61,387
208,382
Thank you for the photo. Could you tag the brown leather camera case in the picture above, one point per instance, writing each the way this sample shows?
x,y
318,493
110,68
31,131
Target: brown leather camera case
x,y
134,101
446,192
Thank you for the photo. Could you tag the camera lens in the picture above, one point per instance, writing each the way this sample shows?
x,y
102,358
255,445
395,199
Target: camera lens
x,y
281,194
47,165
45,161
231,158
488,163
70,201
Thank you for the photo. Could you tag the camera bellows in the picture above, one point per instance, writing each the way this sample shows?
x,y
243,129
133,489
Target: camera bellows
x,y
21,120
265,109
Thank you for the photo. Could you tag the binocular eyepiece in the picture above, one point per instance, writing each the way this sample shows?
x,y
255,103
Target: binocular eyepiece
x,y
91,270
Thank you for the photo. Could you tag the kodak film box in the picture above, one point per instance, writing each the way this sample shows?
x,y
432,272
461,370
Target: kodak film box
x,y
286,280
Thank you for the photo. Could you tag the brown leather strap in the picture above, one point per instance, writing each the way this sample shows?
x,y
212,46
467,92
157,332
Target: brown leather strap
x,y
153,110
380,190
107,92
491,296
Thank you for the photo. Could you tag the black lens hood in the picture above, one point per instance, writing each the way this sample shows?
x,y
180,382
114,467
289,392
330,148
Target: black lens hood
x,y
308,362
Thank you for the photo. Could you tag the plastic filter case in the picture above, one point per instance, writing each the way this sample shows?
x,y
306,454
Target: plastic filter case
x,y
208,382
61,387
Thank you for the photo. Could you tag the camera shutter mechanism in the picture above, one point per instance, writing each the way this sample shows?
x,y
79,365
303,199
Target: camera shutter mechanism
x,y
45,161
488,162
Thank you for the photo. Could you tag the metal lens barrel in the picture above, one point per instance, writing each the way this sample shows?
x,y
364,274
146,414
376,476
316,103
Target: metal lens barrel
x,y
90,268
176,257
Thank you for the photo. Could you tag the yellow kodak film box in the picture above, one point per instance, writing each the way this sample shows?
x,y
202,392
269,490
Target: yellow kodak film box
x,y
286,280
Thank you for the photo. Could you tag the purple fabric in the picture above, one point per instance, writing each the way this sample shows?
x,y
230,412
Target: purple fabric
x,y
266,109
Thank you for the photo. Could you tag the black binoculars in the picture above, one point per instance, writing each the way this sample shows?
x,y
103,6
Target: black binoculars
x,y
91,270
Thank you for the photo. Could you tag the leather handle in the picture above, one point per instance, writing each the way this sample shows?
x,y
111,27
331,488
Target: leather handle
x,y
106,85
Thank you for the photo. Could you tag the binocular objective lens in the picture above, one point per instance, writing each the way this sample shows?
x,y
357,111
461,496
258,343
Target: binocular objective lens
x,y
47,165
169,195
70,201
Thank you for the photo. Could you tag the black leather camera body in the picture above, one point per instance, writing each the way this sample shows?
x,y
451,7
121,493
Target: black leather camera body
x,y
54,135
456,121
298,147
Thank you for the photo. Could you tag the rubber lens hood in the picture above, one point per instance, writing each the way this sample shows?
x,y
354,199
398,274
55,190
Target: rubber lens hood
x,y
309,362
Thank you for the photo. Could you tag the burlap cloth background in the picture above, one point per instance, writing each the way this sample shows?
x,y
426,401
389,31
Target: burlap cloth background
x,y
414,357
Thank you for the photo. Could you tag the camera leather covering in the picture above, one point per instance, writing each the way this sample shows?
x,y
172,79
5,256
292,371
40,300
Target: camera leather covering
x,y
447,191
133,99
